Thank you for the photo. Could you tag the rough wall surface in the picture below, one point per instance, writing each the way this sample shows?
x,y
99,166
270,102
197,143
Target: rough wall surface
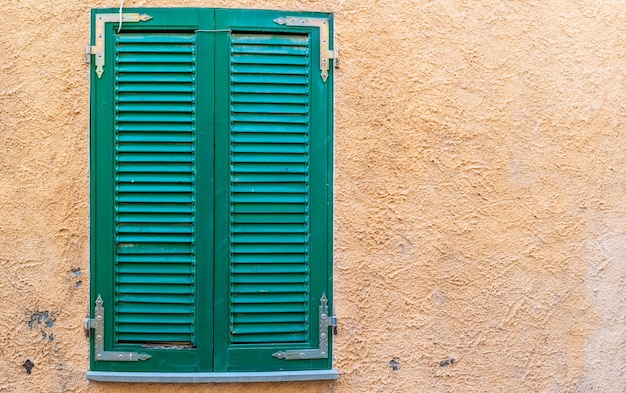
x,y
480,230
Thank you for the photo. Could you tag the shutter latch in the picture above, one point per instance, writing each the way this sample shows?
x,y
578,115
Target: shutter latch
x,y
98,49
326,54
326,321
97,324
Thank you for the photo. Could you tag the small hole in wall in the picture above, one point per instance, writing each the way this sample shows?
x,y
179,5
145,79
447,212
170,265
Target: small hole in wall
x,y
447,362
78,284
28,366
394,364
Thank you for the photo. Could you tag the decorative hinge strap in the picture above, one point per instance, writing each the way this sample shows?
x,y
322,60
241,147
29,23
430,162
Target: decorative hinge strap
x,y
101,355
323,24
98,49
326,321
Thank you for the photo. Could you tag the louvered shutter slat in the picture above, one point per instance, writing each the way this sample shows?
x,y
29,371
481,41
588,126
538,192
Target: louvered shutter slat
x,y
156,97
162,268
262,218
156,127
277,69
154,197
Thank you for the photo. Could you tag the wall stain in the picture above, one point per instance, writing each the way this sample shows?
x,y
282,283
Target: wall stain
x,y
41,317
45,336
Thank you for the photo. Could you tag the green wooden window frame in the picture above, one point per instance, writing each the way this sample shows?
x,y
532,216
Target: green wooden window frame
x,y
211,195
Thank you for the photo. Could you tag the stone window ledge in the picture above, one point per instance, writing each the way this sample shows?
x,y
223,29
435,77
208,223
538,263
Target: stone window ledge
x,y
149,377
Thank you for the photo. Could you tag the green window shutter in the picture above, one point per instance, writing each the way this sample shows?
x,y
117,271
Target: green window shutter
x,y
211,154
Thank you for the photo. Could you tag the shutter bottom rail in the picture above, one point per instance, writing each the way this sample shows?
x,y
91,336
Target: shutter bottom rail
x,y
221,377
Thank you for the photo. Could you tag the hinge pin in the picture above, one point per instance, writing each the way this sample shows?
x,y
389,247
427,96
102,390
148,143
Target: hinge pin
x,y
334,322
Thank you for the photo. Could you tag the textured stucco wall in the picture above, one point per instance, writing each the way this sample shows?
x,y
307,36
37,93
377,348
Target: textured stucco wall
x,y
480,189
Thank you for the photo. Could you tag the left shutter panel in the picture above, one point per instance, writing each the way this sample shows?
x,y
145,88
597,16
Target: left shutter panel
x,y
154,199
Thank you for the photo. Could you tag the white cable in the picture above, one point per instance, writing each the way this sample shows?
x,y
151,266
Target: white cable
x,y
213,31
121,7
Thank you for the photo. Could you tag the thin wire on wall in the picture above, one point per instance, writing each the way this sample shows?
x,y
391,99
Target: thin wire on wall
x,y
121,7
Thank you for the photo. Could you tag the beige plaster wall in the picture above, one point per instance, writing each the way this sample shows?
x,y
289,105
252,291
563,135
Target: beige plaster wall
x,y
480,231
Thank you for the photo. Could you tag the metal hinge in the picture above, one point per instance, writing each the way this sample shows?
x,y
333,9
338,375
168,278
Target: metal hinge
x,y
326,54
97,324
326,321
98,49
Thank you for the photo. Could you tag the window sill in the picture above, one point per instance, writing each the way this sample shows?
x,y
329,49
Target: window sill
x,y
274,376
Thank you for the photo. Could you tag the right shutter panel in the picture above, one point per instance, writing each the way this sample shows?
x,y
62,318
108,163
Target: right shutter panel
x,y
269,189
275,190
